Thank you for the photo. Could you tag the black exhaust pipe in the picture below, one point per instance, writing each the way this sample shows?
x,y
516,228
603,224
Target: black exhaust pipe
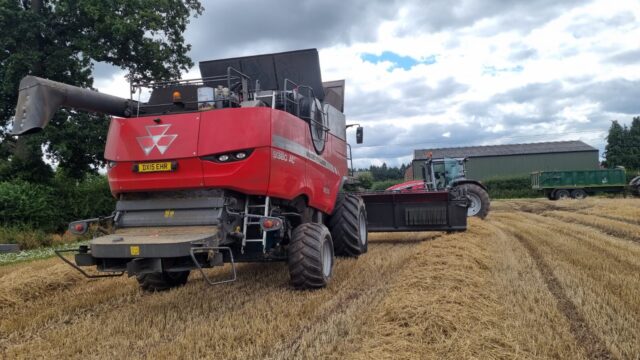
x,y
40,98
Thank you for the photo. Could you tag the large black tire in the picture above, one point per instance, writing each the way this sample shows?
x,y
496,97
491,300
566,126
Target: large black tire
x,y
578,194
348,225
562,194
634,186
479,198
310,256
162,281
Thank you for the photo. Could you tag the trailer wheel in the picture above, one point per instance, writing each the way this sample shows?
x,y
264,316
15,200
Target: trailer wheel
x,y
310,256
479,198
549,195
348,225
162,281
578,194
562,194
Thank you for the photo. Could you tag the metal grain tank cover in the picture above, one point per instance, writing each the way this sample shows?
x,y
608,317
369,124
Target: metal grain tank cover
x,y
300,66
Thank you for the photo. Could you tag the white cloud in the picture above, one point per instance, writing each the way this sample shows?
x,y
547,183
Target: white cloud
x,y
503,72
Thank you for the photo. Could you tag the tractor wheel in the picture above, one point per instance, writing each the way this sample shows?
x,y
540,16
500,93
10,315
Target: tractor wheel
x,y
310,256
634,186
162,281
578,194
348,226
479,199
562,194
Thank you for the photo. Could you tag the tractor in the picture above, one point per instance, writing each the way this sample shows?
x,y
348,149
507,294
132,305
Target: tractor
x,y
245,164
450,173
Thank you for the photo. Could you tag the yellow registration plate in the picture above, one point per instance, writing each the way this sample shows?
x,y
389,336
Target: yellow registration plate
x,y
155,167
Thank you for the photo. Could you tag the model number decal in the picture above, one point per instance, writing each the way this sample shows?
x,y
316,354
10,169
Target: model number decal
x,y
283,156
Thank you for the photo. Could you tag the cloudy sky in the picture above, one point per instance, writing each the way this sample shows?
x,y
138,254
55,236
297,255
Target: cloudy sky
x,y
445,73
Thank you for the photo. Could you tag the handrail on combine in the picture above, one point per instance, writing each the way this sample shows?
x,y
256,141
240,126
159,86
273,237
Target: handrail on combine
x,y
231,75
310,94
193,81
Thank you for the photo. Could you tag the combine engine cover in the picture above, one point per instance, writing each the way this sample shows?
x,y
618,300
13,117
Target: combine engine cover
x,y
267,144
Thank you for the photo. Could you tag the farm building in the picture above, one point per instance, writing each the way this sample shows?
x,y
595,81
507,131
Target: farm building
x,y
512,160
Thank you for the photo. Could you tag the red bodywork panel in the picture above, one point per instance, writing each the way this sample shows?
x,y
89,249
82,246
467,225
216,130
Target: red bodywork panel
x,y
411,185
282,162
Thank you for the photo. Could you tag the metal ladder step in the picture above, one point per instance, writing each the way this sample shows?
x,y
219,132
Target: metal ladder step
x,y
252,223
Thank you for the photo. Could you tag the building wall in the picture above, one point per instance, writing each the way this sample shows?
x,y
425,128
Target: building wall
x,y
483,168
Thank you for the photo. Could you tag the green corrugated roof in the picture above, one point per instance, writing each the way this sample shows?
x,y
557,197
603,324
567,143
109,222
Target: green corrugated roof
x,y
502,150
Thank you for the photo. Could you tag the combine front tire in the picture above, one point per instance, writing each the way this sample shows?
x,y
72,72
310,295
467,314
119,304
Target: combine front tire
x,y
310,256
162,281
479,199
348,226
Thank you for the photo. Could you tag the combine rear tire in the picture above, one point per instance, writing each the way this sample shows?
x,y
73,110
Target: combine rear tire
x,y
310,256
348,226
479,198
162,281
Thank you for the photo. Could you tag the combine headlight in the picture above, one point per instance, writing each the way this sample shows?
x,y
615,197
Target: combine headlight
x,y
229,157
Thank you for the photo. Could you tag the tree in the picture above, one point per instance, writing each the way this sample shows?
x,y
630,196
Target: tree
x,y
614,150
634,144
61,40
623,145
366,180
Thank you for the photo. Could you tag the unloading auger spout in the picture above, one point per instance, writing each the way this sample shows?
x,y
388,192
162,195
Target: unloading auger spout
x,y
40,98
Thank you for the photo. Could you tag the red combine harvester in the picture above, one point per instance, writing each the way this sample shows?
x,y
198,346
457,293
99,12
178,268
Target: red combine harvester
x,y
243,165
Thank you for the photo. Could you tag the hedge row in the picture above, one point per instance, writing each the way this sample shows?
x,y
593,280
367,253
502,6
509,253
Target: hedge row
x,y
511,188
49,208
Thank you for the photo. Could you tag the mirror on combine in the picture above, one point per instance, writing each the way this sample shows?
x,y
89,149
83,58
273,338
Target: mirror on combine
x,y
359,131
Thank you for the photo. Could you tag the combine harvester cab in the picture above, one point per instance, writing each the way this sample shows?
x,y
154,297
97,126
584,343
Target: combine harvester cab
x,y
243,165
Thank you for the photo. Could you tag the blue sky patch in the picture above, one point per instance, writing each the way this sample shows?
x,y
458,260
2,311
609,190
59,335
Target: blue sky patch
x,y
404,62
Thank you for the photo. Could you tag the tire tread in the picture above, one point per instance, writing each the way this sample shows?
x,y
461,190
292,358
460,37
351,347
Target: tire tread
x,y
305,256
344,226
161,281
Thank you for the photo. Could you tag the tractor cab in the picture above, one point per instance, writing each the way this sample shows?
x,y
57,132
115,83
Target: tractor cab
x,y
450,174
443,173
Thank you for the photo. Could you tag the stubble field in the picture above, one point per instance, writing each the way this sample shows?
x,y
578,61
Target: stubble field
x,y
536,279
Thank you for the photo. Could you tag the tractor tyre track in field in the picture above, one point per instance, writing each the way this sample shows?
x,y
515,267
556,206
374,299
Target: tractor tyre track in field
x,y
294,348
630,221
579,230
617,228
594,347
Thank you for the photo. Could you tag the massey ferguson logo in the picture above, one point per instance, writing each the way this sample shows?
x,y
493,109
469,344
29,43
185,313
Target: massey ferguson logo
x,y
156,138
